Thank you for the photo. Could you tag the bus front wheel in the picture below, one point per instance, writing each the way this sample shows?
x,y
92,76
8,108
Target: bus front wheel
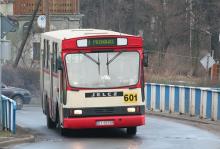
x,y
131,131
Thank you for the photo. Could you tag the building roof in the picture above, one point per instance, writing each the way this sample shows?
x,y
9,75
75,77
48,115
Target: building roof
x,y
77,33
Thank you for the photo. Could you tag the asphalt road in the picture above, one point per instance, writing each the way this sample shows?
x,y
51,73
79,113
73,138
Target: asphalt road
x,y
158,133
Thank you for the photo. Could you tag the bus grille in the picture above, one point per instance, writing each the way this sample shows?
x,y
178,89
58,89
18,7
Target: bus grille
x,y
104,110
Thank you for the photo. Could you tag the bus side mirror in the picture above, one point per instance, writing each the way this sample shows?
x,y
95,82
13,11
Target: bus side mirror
x,y
145,61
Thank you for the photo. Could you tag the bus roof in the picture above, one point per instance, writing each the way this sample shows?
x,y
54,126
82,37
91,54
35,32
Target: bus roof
x,y
77,33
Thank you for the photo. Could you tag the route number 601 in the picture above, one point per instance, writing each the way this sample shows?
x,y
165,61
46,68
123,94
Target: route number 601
x,y
130,97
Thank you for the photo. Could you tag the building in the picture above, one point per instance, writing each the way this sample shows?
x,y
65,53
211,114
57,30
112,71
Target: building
x,y
63,14
26,7
6,7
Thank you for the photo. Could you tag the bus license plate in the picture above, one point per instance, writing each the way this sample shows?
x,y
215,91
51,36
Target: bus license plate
x,y
104,123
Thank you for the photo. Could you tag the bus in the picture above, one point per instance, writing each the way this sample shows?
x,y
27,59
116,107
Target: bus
x,y
92,78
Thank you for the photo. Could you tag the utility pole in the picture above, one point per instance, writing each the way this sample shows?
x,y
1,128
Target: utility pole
x,y
191,23
0,67
103,14
119,15
78,6
134,18
163,30
194,41
164,5
1,116
20,50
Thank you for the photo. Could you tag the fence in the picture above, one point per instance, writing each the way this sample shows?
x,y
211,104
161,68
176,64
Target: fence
x,y
8,114
196,101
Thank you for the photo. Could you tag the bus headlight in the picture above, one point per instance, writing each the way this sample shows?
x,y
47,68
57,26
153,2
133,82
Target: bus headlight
x,y
77,112
131,109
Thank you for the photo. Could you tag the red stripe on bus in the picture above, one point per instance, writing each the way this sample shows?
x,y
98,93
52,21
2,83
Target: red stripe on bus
x,y
90,122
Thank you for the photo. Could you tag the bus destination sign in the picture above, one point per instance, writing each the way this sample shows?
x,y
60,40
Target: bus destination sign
x,y
102,42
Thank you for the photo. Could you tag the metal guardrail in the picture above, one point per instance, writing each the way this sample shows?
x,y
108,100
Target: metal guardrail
x,y
196,101
8,114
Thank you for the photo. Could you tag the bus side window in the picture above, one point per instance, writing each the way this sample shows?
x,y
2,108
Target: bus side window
x,y
44,54
48,52
55,57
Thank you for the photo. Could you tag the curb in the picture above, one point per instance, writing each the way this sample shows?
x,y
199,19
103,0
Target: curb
x,y
21,136
13,141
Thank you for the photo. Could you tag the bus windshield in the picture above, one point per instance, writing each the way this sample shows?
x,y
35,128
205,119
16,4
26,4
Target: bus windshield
x,y
102,70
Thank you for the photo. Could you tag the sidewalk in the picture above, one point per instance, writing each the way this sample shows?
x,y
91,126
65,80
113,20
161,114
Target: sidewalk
x,y
21,136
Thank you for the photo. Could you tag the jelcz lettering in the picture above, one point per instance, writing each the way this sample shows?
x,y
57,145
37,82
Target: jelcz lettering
x,y
103,94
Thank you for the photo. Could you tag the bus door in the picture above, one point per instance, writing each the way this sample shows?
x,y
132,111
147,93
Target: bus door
x,y
42,76
47,76
54,80
62,93
51,87
61,88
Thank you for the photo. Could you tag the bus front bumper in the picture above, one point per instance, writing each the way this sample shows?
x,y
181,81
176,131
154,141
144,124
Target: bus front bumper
x,y
104,122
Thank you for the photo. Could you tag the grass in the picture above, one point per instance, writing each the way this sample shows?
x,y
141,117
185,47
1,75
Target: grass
x,y
4,134
167,77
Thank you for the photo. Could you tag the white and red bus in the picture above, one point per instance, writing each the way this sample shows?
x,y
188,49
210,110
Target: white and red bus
x,y
92,78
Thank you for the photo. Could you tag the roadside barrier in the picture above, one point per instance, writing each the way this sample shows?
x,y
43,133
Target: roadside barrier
x,y
8,114
195,101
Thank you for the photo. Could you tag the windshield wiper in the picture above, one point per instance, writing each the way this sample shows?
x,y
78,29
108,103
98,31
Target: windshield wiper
x,y
92,59
112,59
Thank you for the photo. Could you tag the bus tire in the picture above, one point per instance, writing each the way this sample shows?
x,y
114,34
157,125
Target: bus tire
x,y
50,123
131,131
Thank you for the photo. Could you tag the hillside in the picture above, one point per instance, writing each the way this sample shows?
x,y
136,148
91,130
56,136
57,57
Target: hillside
x,y
177,34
